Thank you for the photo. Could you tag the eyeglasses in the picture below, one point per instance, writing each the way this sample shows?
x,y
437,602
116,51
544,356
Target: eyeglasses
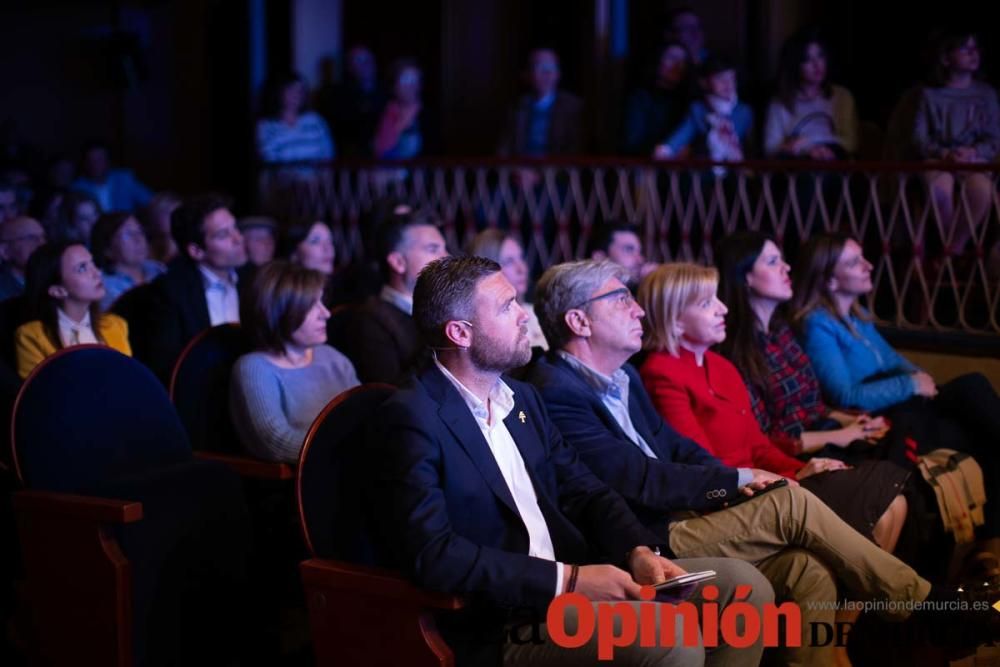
x,y
622,298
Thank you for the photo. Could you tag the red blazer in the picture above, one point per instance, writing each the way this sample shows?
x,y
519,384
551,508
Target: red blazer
x,y
711,405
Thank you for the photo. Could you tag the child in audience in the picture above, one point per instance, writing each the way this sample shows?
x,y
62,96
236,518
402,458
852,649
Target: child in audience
x,y
702,395
717,126
277,391
122,252
63,290
810,117
858,369
505,250
958,121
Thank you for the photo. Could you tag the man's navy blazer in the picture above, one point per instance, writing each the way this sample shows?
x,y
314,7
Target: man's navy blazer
x,y
444,509
684,476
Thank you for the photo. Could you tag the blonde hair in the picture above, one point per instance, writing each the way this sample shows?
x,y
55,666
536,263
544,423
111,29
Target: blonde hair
x,y
665,293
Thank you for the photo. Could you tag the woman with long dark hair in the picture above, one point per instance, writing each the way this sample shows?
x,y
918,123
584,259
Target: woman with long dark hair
x,y
121,250
810,117
755,284
63,290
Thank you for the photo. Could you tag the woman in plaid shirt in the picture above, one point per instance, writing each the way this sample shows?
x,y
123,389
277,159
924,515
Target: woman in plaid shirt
x,y
785,394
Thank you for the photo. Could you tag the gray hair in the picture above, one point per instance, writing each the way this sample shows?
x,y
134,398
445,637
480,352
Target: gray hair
x,y
564,287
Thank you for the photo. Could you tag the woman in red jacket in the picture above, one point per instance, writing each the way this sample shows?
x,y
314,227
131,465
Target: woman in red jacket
x,y
702,395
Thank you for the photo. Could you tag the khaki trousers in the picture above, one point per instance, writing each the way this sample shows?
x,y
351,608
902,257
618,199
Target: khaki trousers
x,y
762,530
730,574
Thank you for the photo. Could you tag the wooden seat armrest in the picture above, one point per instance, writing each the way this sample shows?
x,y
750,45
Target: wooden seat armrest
x,y
107,510
373,581
245,466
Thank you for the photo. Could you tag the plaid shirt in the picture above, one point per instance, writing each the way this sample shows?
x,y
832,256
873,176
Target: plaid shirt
x,y
791,401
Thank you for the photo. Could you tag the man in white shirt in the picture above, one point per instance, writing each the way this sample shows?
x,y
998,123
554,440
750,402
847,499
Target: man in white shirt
x,y
475,493
382,342
199,290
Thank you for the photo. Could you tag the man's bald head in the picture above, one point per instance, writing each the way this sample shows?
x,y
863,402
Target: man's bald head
x,y
19,237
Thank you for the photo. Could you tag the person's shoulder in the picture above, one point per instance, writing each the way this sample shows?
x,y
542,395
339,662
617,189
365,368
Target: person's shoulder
x,y
112,321
32,330
329,356
659,359
721,364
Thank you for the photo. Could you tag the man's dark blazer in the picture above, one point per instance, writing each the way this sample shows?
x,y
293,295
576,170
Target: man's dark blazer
x,y
382,342
177,313
445,513
565,126
683,476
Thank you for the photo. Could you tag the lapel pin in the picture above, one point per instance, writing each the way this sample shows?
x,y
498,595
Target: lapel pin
x,y
520,415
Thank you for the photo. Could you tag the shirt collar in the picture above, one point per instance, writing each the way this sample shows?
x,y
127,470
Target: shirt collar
x,y
66,323
501,397
615,386
545,103
393,296
212,281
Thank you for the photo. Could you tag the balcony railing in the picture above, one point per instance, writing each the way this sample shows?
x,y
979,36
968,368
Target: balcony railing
x,y
925,277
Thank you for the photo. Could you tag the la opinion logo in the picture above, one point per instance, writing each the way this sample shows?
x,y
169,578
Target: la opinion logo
x,y
641,624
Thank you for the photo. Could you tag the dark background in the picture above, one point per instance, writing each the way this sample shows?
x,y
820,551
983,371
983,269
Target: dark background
x,y
168,84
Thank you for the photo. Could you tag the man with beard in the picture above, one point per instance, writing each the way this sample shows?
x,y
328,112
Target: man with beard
x,y
475,493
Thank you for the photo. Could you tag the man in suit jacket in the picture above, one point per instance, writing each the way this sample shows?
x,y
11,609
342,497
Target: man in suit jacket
x,y
602,410
475,492
381,339
547,121
199,289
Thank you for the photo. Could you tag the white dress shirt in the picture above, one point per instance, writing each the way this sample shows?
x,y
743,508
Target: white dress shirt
x,y
75,333
402,301
508,458
221,296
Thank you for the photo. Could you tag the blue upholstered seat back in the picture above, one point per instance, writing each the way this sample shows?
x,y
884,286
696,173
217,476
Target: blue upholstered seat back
x,y
89,415
332,476
201,388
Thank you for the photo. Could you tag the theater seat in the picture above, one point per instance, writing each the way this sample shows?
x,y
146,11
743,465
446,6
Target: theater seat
x,y
133,552
199,389
359,613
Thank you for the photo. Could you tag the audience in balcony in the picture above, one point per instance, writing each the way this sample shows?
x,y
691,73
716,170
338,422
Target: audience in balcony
x,y
259,236
63,290
352,107
786,397
619,241
810,117
277,391
718,125
122,253
858,369
652,113
78,213
156,220
702,395
200,288
546,121
382,341
286,130
958,121
399,134
20,236
504,249
114,189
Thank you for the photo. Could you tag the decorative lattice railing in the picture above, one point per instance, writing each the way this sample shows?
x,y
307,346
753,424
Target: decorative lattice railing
x,y
682,208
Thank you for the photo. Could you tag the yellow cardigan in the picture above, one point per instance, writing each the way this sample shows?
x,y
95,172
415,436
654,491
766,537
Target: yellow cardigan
x,y
32,345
